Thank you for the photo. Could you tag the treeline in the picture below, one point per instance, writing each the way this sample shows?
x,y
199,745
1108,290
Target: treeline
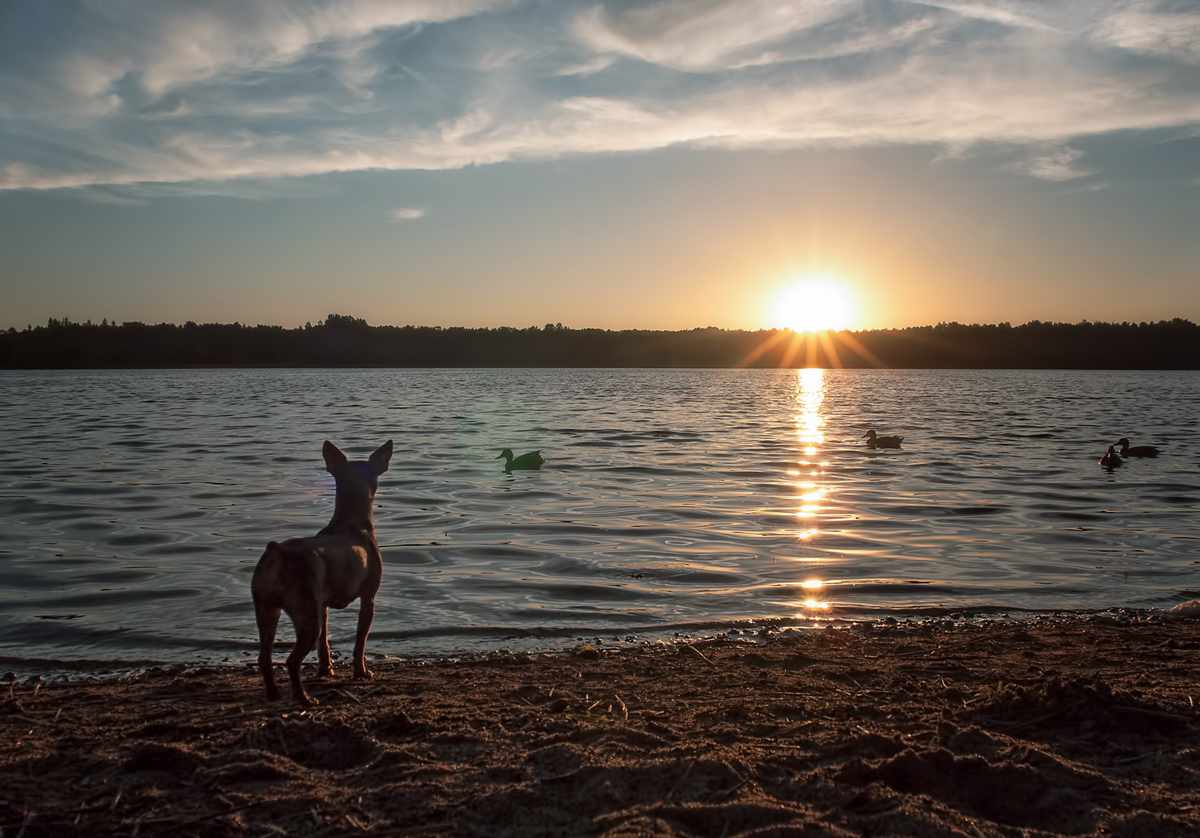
x,y
350,342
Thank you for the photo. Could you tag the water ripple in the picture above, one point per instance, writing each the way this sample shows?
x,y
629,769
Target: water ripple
x,y
136,503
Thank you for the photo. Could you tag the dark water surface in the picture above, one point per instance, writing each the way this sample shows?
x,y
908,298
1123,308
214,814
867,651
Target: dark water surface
x,y
134,504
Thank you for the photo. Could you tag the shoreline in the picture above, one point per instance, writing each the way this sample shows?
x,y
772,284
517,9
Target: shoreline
x,y
1080,726
556,641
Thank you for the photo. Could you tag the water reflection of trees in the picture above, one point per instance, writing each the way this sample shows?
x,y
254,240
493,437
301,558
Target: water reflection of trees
x,y
348,341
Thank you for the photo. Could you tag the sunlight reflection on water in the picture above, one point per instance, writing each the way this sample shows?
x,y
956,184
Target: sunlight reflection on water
x,y
810,394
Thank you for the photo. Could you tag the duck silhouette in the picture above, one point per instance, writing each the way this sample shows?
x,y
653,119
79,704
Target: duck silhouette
x,y
532,460
874,441
1136,451
1110,460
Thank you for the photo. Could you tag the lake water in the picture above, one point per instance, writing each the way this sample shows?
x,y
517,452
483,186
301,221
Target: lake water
x,y
134,504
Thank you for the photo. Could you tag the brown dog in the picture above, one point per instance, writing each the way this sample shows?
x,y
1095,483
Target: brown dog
x,y
304,576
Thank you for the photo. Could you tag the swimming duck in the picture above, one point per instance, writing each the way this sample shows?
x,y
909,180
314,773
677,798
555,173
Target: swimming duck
x,y
1139,451
1110,459
874,441
532,460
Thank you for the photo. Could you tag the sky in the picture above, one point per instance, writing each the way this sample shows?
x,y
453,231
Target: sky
x,y
650,164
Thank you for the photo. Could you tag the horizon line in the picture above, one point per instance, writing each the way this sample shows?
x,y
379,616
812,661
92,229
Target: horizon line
x,y
348,321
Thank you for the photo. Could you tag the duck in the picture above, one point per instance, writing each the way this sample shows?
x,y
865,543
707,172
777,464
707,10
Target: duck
x,y
1110,459
1138,451
532,460
874,441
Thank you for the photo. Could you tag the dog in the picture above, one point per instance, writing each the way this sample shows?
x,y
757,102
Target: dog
x,y
305,576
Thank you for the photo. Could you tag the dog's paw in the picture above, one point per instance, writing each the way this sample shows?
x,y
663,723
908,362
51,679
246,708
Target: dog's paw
x,y
363,675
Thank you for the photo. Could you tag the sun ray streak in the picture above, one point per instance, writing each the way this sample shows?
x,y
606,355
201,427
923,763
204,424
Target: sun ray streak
x,y
831,352
856,346
763,348
791,351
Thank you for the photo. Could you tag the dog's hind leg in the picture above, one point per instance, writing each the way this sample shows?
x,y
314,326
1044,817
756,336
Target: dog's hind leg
x,y
265,589
307,620
268,622
366,613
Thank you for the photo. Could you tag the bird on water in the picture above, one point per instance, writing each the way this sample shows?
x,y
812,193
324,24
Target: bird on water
x,y
874,441
1137,450
532,460
1110,460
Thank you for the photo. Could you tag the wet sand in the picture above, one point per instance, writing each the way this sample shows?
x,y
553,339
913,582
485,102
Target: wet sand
x,y
1083,726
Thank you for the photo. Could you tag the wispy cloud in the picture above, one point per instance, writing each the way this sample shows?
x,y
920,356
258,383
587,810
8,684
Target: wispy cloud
x,y
407,214
1053,163
703,34
592,65
127,93
1143,28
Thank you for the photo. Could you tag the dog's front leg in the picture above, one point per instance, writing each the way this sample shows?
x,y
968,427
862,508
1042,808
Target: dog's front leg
x,y
326,668
307,621
366,613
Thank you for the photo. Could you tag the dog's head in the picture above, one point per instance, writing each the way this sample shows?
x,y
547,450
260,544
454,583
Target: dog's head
x,y
353,474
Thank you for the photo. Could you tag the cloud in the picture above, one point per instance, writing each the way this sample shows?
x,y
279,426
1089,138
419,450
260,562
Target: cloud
x,y
706,35
1056,163
173,44
592,65
702,34
1015,14
407,214
1141,28
210,91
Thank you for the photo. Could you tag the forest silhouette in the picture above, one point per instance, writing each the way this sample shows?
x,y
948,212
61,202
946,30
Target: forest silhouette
x,y
344,341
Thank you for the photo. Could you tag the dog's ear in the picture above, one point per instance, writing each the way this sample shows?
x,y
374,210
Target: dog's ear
x,y
382,456
333,456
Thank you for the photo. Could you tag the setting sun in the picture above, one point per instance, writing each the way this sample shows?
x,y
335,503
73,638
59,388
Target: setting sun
x,y
812,305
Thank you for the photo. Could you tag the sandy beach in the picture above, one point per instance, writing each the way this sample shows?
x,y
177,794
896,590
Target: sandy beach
x,y
1080,726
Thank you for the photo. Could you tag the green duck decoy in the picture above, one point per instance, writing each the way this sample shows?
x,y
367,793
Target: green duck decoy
x,y
1136,451
532,460
874,441
1110,460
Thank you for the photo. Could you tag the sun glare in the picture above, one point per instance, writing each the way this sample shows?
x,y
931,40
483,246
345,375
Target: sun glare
x,y
813,305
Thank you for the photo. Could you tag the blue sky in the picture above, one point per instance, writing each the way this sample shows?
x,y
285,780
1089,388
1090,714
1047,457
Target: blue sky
x,y
663,164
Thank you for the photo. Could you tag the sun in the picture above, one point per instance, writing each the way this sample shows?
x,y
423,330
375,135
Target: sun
x,y
813,305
